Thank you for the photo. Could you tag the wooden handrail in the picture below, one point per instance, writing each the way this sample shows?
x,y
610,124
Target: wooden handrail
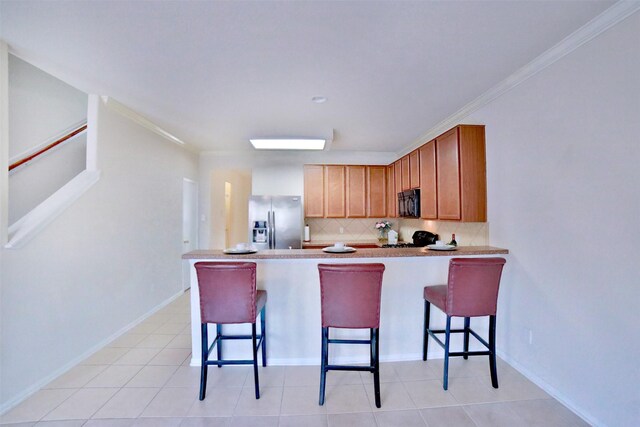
x,y
48,147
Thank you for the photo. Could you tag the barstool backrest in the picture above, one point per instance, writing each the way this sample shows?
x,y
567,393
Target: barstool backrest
x,y
227,291
350,295
472,289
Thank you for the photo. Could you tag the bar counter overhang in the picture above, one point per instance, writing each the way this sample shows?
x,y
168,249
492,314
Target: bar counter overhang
x,y
290,277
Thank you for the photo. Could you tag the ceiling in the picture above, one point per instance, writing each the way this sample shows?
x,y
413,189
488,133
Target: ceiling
x,y
215,73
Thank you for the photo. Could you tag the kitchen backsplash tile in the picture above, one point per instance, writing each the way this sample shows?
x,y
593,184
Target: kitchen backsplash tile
x,y
363,229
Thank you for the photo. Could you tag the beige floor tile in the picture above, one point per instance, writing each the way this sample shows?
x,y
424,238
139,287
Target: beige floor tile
x,y
545,413
171,402
218,402
473,390
393,397
244,421
516,388
146,327
270,376
428,394
77,376
63,423
410,418
416,370
343,377
493,415
114,376
157,422
152,376
206,422
155,341
452,416
346,398
137,356
301,401
185,376
268,404
180,341
228,376
170,329
171,356
128,340
127,403
106,356
387,374
37,406
364,419
186,330
297,376
303,421
82,405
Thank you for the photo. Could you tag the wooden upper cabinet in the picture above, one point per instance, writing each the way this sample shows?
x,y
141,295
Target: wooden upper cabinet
x,y
428,188
414,169
391,192
461,174
406,181
397,172
313,191
356,191
334,190
376,191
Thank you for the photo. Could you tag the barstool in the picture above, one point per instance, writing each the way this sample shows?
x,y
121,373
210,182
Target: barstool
x,y
228,295
350,298
471,291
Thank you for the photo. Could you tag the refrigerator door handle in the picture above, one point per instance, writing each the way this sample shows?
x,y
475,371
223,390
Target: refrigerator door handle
x,y
269,229
273,227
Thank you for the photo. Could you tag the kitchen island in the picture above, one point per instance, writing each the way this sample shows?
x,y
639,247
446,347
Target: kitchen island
x,y
290,277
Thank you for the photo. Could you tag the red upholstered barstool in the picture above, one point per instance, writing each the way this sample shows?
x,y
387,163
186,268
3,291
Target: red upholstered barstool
x,y
228,295
350,298
471,291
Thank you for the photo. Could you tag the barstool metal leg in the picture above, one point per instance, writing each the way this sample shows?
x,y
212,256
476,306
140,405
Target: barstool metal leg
x,y
219,342
492,349
425,334
467,324
371,353
255,360
323,362
445,381
204,341
263,329
376,365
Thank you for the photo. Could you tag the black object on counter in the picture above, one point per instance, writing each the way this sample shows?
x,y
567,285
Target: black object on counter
x,y
424,238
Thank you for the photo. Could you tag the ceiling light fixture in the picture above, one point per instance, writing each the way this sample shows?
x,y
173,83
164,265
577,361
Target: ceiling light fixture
x,y
319,99
288,144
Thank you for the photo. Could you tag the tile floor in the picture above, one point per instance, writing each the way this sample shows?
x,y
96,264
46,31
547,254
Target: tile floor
x,y
143,378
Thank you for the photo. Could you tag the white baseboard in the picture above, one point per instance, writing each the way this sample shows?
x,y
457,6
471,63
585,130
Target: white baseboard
x,y
6,406
549,389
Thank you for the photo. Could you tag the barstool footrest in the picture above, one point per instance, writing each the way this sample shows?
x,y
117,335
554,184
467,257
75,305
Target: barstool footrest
x,y
341,341
349,368
433,333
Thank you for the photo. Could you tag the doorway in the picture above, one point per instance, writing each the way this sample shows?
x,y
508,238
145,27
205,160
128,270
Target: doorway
x,y
189,226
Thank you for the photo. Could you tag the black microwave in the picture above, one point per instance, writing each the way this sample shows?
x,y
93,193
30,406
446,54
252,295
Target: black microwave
x,y
409,204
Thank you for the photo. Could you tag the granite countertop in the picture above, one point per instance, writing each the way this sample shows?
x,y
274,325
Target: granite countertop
x,y
359,253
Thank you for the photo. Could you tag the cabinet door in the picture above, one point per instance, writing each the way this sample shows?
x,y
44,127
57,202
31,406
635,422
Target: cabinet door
x,y
473,173
313,191
406,182
398,180
428,188
447,153
377,191
391,192
356,191
414,169
334,191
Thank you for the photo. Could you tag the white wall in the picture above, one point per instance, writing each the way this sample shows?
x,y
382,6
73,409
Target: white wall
x,y
109,259
563,158
279,173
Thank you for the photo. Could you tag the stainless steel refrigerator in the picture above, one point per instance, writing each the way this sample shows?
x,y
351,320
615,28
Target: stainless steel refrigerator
x,y
275,222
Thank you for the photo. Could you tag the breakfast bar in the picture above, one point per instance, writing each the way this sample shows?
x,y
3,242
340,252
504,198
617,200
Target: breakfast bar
x,y
290,277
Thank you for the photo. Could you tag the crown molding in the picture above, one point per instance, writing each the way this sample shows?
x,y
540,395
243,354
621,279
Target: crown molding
x,y
607,19
139,119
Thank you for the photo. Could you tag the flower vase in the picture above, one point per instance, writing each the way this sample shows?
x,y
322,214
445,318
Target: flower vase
x,y
382,235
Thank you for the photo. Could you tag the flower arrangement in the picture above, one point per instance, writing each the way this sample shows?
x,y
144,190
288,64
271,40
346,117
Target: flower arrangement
x,y
383,226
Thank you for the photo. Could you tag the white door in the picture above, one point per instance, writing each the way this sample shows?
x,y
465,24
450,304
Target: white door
x,y
189,225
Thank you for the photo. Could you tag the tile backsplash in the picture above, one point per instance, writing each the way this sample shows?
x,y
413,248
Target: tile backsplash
x,y
363,229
